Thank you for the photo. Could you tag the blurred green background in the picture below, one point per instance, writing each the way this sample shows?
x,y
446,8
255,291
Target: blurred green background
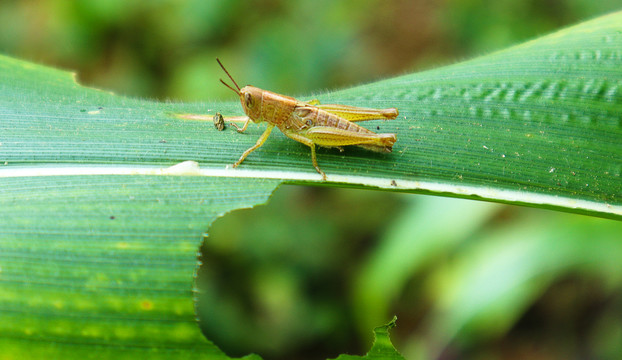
x,y
311,273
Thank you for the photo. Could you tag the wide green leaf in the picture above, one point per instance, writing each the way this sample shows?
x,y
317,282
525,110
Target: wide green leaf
x,y
536,124
99,236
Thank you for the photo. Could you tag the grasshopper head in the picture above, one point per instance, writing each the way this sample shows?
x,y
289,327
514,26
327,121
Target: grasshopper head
x,y
250,97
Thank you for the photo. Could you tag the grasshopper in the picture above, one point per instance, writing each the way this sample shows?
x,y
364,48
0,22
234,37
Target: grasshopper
x,y
310,123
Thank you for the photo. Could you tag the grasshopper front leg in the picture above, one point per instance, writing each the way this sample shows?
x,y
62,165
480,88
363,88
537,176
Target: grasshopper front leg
x,y
260,142
246,120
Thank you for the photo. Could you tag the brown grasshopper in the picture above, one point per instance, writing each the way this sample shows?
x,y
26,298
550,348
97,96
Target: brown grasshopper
x,y
310,123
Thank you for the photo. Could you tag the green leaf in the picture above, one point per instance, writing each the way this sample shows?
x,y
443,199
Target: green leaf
x,y
382,347
98,236
102,266
536,124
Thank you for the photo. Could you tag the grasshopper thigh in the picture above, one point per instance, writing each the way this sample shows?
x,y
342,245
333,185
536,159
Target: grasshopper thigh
x,y
330,136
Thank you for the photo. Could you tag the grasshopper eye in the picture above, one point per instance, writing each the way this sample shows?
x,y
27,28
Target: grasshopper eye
x,y
249,100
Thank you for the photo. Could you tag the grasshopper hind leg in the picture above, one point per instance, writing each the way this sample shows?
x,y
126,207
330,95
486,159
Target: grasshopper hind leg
x,y
314,161
311,145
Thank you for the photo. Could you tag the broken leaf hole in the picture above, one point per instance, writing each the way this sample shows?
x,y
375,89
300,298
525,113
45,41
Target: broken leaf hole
x,y
275,279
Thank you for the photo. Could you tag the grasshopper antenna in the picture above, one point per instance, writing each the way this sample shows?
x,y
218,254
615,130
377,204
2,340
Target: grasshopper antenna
x,y
230,77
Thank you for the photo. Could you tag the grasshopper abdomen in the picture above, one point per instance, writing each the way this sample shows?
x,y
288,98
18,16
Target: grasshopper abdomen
x,y
330,130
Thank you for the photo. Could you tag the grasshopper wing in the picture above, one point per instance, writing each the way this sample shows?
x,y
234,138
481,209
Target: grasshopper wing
x,y
353,113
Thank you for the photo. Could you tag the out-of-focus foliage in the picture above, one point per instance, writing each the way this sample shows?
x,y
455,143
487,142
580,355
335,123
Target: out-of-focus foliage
x,y
463,276
278,276
313,271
